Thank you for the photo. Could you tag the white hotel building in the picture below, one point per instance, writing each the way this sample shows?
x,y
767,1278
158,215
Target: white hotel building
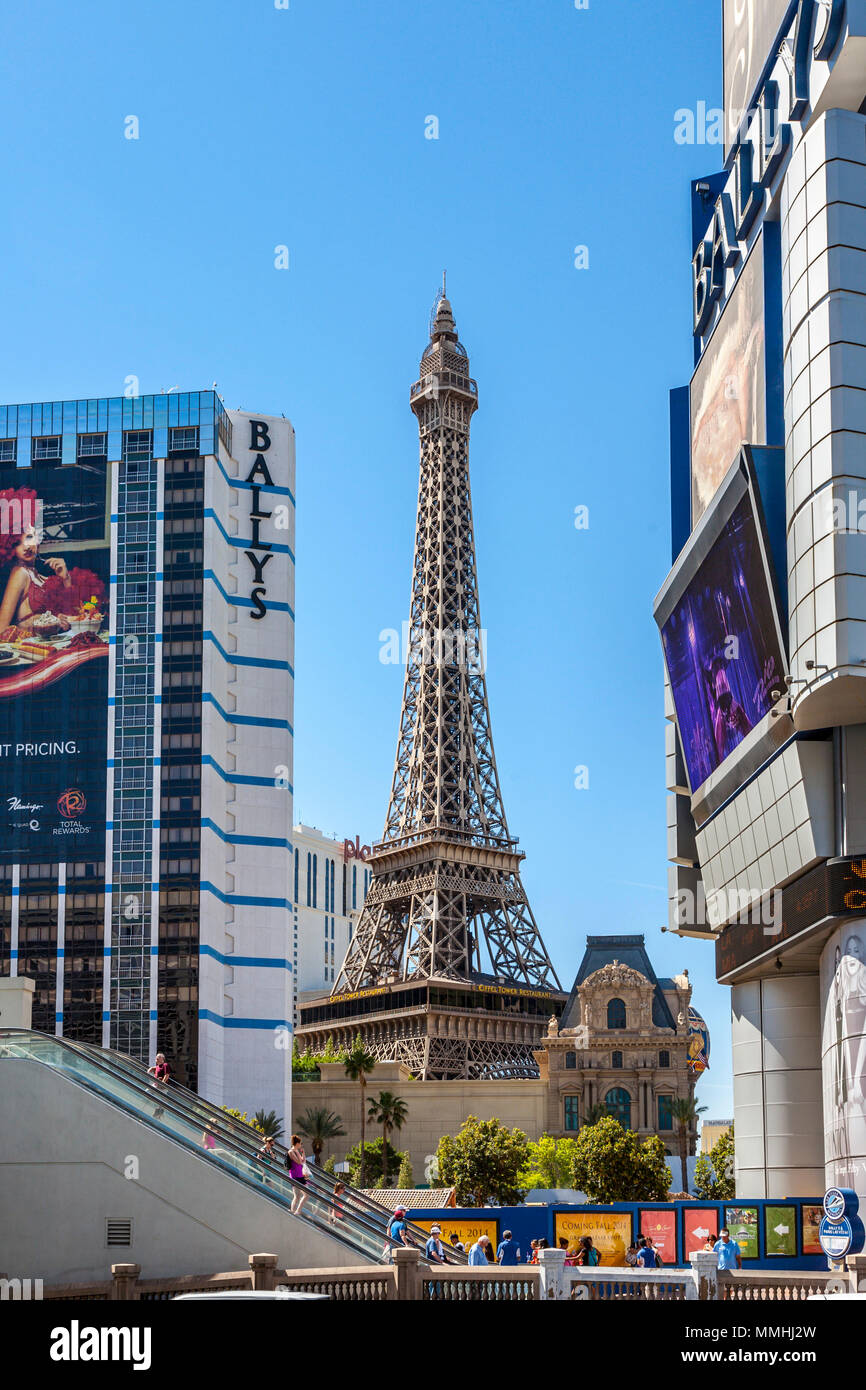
x,y
331,879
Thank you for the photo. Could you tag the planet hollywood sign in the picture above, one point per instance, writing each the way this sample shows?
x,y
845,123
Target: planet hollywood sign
x,y
764,142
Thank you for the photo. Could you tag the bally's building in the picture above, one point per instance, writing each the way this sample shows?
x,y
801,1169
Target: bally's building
x,y
146,696
763,614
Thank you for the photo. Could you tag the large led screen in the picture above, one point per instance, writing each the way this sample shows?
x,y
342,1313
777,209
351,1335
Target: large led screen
x,y
54,611
722,649
728,389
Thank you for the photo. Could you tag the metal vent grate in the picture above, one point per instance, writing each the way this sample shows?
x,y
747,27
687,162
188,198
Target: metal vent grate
x,y
118,1232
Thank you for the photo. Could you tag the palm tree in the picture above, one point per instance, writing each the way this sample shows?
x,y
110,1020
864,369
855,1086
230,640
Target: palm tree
x,y
359,1064
595,1112
270,1126
318,1125
391,1113
685,1115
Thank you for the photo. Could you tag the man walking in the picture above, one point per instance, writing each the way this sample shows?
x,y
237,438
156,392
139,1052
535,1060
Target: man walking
x,y
728,1251
508,1252
434,1249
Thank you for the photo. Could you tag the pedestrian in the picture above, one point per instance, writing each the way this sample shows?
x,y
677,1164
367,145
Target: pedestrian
x,y
456,1242
296,1162
398,1231
207,1140
478,1253
569,1257
338,1210
631,1254
434,1249
508,1252
587,1255
710,1243
728,1251
647,1257
267,1155
161,1073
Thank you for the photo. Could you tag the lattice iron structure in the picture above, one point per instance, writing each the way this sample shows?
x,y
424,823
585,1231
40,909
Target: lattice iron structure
x,y
446,917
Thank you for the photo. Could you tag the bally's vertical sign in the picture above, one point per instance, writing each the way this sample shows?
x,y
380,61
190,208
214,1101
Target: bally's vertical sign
x,y
266,464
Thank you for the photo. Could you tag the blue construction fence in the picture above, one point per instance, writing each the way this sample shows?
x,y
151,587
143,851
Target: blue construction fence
x,y
781,1233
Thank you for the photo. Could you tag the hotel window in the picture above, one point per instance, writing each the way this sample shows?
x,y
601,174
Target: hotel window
x,y
92,446
7,450
333,893
183,440
327,893
572,1115
309,877
664,1059
136,446
315,880
665,1111
616,1017
354,886
345,880
570,1061
297,866
618,1105
47,447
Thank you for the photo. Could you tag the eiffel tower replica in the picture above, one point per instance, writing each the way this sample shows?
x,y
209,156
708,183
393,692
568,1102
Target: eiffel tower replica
x,y
446,874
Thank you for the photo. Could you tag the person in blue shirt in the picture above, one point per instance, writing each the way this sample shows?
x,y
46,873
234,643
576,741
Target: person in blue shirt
x,y
508,1252
434,1249
479,1252
728,1251
397,1229
647,1258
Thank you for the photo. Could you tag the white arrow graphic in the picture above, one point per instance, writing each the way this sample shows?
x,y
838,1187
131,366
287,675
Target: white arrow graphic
x,y
781,1230
701,1231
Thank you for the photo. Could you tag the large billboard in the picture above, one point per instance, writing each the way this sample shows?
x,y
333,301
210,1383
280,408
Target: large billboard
x,y
610,1232
843,992
750,30
728,392
722,647
54,613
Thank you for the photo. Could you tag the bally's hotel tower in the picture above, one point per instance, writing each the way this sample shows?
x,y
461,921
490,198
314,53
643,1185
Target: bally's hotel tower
x,y
146,698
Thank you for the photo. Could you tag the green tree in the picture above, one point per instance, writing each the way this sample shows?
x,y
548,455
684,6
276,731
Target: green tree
x,y
388,1163
331,1165
391,1112
714,1173
442,1169
612,1165
685,1116
405,1177
359,1063
319,1125
269,1124
550,1163
484,1162
244,1118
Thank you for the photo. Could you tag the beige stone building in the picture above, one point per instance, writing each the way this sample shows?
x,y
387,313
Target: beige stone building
x,y
627,1041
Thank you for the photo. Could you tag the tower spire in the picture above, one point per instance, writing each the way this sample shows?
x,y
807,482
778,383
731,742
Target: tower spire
x,y
446,901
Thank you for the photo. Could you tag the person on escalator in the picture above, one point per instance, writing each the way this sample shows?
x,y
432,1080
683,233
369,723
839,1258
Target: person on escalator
x,y
161,1073
296,1162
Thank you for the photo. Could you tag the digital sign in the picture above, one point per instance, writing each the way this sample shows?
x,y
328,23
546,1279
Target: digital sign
x,y
722,647
834,889
54,618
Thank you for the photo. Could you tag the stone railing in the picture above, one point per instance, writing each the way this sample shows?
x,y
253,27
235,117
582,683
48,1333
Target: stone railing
x,y
411,1278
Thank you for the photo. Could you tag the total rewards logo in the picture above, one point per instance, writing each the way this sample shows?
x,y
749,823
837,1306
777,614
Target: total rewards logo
x,y
71,805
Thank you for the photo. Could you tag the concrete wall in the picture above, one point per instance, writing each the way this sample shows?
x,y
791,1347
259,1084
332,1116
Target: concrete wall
x,y
63,1158
435,1108
777,1087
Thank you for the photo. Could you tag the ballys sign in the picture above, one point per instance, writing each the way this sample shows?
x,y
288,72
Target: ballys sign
x,y
763,145
260,552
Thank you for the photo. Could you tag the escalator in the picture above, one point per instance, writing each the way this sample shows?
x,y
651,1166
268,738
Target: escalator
x,y
351,1218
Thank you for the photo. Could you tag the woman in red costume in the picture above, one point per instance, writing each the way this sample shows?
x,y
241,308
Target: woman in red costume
x,y
34,588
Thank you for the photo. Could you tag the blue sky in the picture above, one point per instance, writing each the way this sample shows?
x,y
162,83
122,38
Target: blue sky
x,y
305,127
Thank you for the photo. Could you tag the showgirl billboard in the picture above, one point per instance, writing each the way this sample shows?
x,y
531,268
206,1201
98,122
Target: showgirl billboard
x,y
54,613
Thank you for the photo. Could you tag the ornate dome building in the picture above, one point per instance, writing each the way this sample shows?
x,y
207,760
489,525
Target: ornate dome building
x,y
623,1043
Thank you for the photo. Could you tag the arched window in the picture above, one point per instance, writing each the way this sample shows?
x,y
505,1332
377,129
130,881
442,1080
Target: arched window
x,y
616,1061
616,1014
618,1104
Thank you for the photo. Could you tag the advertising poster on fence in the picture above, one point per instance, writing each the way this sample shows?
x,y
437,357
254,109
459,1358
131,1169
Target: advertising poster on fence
x,y
467,1231
780,1231
742,1222
811,1217
699,1224
610,1231
661,1227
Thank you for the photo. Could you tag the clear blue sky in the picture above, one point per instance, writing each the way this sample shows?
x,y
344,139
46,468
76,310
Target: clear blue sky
x,y
306,127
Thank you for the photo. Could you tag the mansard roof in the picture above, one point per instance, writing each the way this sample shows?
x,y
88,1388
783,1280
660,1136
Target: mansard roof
x,y
629,951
